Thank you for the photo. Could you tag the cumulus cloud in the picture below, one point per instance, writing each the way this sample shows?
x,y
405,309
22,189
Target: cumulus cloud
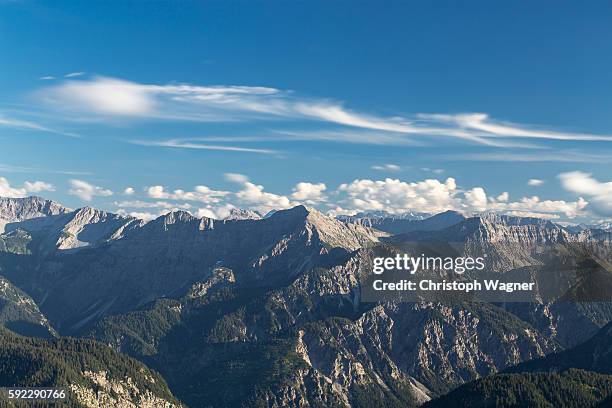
x,y
151,204
200,193
387,167
476,199
309,193
217,212
390,195
129,191
143,215
397,196
433,196
503,197
536,207
86,191
37,186
599,193
254,196
535,182
6,190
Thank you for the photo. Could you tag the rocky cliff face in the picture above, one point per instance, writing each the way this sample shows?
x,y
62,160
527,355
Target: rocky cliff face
x,y
15,210
110,392
576,377
270,311
165,256
242,214
20,313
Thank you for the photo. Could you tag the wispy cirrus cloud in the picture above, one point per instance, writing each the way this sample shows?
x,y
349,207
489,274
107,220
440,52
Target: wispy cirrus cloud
x,y
556,155
29,125
194,145
10,168
389,167
482,122
74,74
101,98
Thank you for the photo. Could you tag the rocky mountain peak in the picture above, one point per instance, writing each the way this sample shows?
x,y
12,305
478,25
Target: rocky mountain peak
x,y
237,214
175,217
182,220
334,232
88,226
21,209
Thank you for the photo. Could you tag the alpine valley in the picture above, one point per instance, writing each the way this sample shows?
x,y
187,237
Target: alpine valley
x,y
267,311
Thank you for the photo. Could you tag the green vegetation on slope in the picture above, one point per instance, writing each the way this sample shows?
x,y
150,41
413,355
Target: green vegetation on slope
x,y
29,362
569,389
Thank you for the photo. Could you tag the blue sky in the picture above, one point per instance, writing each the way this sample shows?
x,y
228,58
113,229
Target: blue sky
x,y
417,106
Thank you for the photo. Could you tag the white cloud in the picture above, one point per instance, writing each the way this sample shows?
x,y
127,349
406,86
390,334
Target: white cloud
x,y
38,186
110,96
146,216
481,122
129,191
102,97
535,182
433,196
531,214
397,196
391,195
476,199
46,78
74,74
183,144
28,125
352,135
105,96
151,204
255,197
200,193
599,193
563,156
205,212
309,193
542,208
387,167
6,190
434,171
86,191
236,178
218,212
503,197
143,215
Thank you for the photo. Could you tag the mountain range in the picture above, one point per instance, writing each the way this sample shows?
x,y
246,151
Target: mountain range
x,y
267,310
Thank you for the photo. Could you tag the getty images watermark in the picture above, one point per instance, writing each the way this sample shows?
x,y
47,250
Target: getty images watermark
x,y
436,271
